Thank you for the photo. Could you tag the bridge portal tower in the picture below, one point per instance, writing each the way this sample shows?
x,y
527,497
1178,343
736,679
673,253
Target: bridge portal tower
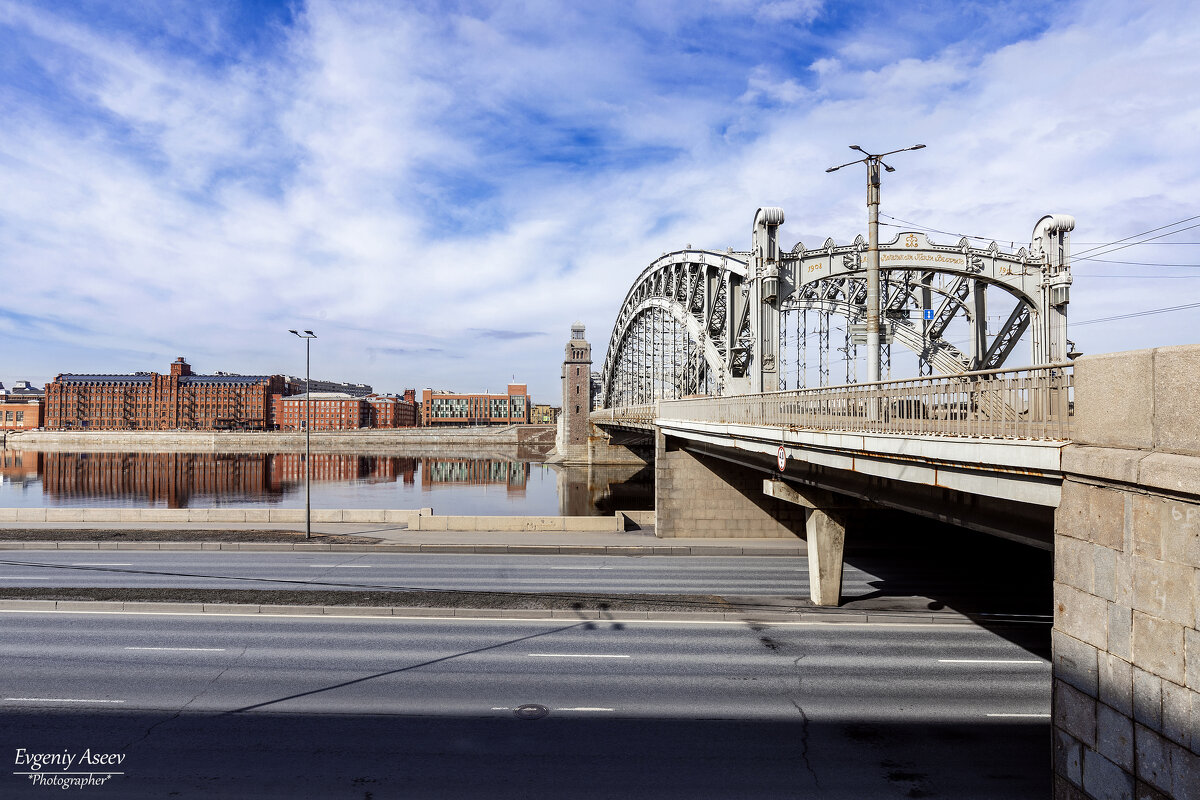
x,y
572,445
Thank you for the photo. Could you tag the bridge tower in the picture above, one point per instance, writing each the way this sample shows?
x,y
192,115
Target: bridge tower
x,y
576,399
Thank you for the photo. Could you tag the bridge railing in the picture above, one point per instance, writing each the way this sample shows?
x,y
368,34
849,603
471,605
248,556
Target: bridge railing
x,y
640,414
1025,403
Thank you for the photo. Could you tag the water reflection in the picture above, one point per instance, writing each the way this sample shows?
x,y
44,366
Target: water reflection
x,y
453,484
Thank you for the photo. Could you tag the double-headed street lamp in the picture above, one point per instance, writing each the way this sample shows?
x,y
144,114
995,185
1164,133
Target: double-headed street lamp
x,y
307,336
873,163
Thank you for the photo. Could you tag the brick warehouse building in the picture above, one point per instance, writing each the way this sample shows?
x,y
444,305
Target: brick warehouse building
x,y
448,408
338,411
150,401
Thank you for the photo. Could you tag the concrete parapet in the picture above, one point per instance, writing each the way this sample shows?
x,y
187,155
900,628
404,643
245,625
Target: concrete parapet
x,y
1127,581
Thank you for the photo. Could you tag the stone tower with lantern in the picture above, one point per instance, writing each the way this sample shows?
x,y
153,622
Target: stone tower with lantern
x,y
574,427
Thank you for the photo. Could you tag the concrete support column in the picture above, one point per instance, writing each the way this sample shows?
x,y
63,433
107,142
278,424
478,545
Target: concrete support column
x,y
826,515
826,537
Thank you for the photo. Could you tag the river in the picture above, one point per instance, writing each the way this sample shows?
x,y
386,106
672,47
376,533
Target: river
x,y
450,484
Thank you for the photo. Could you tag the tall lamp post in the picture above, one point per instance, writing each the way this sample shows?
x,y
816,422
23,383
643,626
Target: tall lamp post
x,y
873,163
307,336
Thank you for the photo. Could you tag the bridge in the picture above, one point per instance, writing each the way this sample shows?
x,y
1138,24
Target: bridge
x,y
720,372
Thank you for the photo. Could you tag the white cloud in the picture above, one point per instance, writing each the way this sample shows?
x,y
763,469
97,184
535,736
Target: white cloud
x,y
400,182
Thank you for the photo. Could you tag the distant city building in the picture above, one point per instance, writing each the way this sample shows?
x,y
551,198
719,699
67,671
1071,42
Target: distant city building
x,y
296,386
150,401
544,414
597,387
21,407
338,411
448,408
390,411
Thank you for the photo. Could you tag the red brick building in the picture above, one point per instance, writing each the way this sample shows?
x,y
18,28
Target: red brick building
x,y
448,408
21,408
150,401
338,411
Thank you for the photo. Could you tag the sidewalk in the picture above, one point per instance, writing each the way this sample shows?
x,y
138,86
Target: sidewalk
x,y
398,538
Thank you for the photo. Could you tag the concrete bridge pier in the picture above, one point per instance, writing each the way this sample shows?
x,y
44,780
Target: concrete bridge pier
x,y
698,494
826,519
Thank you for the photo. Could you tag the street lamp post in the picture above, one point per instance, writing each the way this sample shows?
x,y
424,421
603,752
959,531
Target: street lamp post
x,y
873,163
307,336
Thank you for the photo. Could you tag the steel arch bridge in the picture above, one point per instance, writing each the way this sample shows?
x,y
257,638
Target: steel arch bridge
x,y
703,322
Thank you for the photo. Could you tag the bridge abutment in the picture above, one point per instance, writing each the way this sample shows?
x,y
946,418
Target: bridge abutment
x,y
1126,644
698,495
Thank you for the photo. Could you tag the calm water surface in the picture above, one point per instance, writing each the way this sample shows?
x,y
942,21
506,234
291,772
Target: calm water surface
x,y
448,484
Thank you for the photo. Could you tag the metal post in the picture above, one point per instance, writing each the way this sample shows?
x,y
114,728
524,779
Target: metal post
x,y
873,374
873,162
307,336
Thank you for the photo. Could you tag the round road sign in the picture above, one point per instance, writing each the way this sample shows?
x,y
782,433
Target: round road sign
x,y
782,456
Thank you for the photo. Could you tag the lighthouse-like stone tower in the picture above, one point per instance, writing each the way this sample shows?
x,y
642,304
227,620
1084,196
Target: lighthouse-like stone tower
x,y
576,399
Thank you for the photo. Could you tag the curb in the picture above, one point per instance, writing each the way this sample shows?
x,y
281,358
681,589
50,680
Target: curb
x,y
810,616
494,549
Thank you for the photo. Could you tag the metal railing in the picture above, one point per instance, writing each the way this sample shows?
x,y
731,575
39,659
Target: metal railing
x,y
1025,403
638,415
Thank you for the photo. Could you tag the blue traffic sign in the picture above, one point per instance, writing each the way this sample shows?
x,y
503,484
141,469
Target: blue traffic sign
x,y
929,314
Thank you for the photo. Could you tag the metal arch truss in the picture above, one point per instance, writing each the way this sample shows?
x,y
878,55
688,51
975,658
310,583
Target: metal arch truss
x,y
701,322
683,329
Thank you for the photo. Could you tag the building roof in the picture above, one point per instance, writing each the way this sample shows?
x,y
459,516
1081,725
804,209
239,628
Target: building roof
x,y
324,396
145,377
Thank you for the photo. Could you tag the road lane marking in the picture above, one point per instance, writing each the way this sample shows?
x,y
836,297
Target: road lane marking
x,y
573,655
99,564
341,566
990,661
58,700
21,578
188,649
1037,716
583,708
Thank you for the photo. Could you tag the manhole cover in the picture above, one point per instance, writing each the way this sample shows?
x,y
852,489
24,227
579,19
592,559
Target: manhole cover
x,y
531,711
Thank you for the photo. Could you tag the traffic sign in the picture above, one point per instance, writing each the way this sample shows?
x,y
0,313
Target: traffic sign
x,y
782,458
929,315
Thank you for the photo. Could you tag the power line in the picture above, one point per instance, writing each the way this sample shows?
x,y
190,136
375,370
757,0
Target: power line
x,y
1143,233
1104,252
1135,314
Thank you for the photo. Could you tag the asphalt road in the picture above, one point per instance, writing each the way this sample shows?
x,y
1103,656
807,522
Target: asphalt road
x,y
895,578
226,706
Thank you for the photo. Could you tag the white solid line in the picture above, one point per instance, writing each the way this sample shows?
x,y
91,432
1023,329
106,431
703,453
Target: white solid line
x,y
189,649
583,708
99,564
58,700
572,655
1020,715
21,578
341,566
990,661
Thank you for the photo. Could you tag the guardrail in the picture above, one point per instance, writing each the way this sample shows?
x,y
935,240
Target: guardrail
x,y
639,415
1024,403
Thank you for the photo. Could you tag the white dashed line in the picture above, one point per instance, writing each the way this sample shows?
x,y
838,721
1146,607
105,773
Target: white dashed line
x,y
583,708
187,649
57,700
573,655
1038,716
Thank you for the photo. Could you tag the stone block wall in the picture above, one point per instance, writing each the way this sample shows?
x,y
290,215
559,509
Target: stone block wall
x,y
702,496
1126,638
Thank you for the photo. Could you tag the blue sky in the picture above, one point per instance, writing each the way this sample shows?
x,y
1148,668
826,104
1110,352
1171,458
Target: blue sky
x,y
440,189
